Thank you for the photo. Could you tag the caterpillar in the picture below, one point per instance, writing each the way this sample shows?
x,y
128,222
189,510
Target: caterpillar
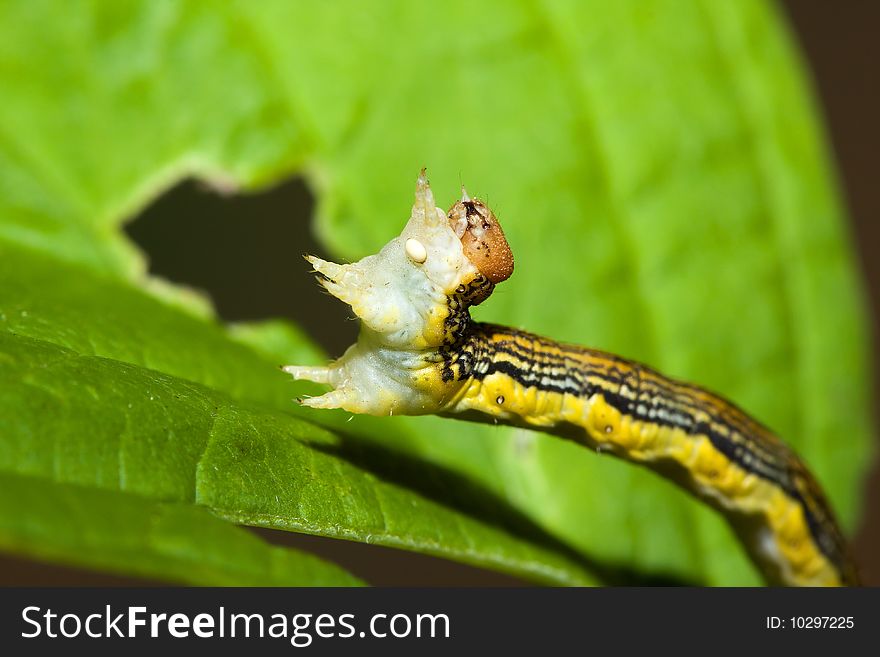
x,y
418,352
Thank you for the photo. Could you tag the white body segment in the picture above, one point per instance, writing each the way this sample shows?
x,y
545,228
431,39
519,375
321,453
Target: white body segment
x,y
400,295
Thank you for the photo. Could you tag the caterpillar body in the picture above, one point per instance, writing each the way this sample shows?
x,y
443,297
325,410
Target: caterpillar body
x,y
418,352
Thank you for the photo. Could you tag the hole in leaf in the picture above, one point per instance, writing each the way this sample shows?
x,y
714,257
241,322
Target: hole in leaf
x,y
245,251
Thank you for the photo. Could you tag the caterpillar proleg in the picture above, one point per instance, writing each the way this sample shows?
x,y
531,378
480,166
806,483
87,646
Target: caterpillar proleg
x,y
419,352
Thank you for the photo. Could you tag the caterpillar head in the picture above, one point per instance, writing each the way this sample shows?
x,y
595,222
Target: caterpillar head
x,y
401,293
482,240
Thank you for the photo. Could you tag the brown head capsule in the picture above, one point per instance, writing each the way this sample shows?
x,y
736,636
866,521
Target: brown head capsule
x,y
482,239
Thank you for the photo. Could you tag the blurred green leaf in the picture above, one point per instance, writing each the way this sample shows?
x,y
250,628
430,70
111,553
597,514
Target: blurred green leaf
x,y
658,168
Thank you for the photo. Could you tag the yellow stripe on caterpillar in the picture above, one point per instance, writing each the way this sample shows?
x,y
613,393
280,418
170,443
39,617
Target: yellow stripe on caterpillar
x,y
418,352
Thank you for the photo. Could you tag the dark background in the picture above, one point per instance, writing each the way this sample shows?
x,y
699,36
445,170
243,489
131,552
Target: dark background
x,y
842,51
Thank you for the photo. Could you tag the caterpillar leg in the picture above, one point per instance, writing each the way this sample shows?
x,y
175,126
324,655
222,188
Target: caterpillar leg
x,y
339,398
315,374
343,396
342,281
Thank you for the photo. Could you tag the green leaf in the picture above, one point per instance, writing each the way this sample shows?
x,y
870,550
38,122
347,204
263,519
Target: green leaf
x,y
98,400
126,533
658,168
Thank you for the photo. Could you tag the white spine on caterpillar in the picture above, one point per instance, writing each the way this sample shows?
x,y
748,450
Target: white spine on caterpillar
x,y
400,296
